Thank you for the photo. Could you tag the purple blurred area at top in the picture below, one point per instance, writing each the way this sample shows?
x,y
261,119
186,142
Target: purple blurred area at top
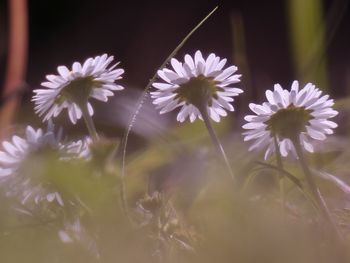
x,y
141,34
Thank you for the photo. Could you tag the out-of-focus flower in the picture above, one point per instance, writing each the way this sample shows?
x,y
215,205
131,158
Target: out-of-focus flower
x,y
19,154
77,149
290,116
72,89
16,150
197,85
74,232
71,232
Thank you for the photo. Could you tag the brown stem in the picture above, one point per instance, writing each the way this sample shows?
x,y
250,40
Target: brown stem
x,y
16,60
280,166
204,112
89,122
315,190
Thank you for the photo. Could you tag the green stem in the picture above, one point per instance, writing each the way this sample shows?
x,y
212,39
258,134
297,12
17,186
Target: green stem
x,y
204,111
315,192
123,200
141,101
145,93
89,122
280,166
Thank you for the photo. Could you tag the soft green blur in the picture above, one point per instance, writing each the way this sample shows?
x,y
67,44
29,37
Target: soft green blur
x,y
182,207
307,41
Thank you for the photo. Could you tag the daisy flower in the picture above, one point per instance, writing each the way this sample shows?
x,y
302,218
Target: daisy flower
x,y
18,157
74,232
71,89
16,150
70,232
196,85
292,116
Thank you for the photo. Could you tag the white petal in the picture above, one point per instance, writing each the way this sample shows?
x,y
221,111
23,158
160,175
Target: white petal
x,y
214,115
269,152
315,134
182,115
5,172
162,86
305,142
72,115
284,148
50,197
269,96
64,71
177,66
253,125
189,61
76,67
90,109
198,58
226,73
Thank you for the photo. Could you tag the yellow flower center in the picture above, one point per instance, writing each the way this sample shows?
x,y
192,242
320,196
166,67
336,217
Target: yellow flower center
x,y
289,122
78,90
198,91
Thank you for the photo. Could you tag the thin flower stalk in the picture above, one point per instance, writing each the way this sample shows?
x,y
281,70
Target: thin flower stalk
x,y
89,122
215,140
315,191
281,168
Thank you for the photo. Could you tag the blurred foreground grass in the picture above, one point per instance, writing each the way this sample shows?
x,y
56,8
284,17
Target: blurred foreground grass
x,y
182,207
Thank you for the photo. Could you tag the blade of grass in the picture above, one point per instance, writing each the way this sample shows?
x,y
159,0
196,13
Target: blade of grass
x,y
307,35
291,177
139,105
239,55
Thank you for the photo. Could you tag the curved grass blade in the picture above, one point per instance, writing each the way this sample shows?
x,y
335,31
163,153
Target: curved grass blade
x,y
140,104
291,177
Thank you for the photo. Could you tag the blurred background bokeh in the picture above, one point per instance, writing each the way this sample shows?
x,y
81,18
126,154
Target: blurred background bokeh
x,y
271,42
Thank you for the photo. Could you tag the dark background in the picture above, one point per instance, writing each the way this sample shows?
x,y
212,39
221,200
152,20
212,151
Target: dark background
x,y
141,34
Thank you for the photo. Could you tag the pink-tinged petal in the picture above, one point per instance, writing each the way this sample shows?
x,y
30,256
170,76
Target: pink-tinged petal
x,y
64,71
177,66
